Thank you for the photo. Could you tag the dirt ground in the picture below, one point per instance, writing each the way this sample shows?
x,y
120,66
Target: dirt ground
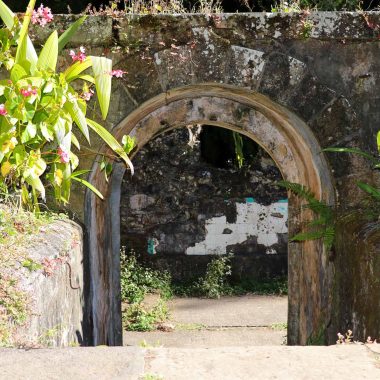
x,y
228,321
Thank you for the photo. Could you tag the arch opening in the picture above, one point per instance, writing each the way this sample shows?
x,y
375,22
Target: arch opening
x,y
296,153
190,201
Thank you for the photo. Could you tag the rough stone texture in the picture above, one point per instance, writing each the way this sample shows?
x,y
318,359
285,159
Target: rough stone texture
x,y
178,204
57,308
293,95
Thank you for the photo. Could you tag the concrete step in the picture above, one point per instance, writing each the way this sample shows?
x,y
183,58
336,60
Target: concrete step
x,y
352,361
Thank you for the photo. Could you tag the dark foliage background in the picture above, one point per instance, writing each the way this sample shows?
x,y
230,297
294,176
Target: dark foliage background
x,y
77,6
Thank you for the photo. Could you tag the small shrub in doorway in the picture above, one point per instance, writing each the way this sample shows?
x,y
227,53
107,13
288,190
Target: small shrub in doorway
x,y
215,282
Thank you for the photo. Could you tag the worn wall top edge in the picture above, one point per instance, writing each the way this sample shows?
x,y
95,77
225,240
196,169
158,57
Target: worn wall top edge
x,y
105,30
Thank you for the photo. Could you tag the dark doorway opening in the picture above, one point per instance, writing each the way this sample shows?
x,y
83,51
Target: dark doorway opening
x,y
189,206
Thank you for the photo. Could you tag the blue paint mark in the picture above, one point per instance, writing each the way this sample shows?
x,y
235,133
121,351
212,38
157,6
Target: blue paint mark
x,y
151,247
283,201
250,200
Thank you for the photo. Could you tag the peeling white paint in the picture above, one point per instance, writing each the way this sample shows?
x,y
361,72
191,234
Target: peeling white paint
x,y
245,57
297,70
157,59
253,220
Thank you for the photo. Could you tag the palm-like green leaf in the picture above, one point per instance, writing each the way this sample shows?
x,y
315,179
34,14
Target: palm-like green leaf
x,y
322,227
17,73
369,189
110,141
76,69
21,53
88,184
351,150
65,37
49,53
78,116
102,68
7,15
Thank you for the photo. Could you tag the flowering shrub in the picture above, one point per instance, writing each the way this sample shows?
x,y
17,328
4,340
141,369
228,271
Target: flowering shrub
x,y
39,106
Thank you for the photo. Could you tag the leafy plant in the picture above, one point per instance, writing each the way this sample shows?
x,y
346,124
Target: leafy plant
x,y
137,280
137,317
39,107
323,226
214,284
274,286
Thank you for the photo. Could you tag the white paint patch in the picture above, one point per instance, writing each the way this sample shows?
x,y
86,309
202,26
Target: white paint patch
x,y
297,70
253,220
250,60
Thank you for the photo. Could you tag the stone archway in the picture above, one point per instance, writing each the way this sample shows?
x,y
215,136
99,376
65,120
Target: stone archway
x,y
282,134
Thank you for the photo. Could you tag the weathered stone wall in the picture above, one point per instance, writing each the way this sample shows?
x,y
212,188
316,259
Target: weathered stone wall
x,y
178,210
314,77
55,292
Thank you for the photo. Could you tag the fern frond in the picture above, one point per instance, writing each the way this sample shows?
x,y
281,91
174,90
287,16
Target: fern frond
x,y
310,235
321,228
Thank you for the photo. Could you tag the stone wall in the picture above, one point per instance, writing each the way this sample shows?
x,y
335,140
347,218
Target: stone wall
x,y
313,78
179,208
56,292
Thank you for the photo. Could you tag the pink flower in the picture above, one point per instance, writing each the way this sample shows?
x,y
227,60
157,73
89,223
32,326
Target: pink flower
x,y
63,155
42,16
3,111
117,73
81,56
28,92
87,95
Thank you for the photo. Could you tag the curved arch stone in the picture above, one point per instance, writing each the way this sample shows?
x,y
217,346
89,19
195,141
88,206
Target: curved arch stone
x,y
282,134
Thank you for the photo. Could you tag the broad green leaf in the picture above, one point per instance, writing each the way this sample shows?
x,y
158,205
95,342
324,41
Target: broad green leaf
x,y
31,54
76,69
110,141
369,189
17,73
85,77
75,141
19,154
34,81
74,161
102,68
36,183
351,150
78,116
46,131
65,37
79,172
7,15
88,184
21,53
128,143
29,133
49,53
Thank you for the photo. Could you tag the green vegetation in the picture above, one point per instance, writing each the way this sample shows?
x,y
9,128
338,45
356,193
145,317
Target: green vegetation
x,y
138,281
279,326
39,107
321,227
17,231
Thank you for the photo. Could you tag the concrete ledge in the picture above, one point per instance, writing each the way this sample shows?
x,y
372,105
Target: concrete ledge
x,y
56,290
270,362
